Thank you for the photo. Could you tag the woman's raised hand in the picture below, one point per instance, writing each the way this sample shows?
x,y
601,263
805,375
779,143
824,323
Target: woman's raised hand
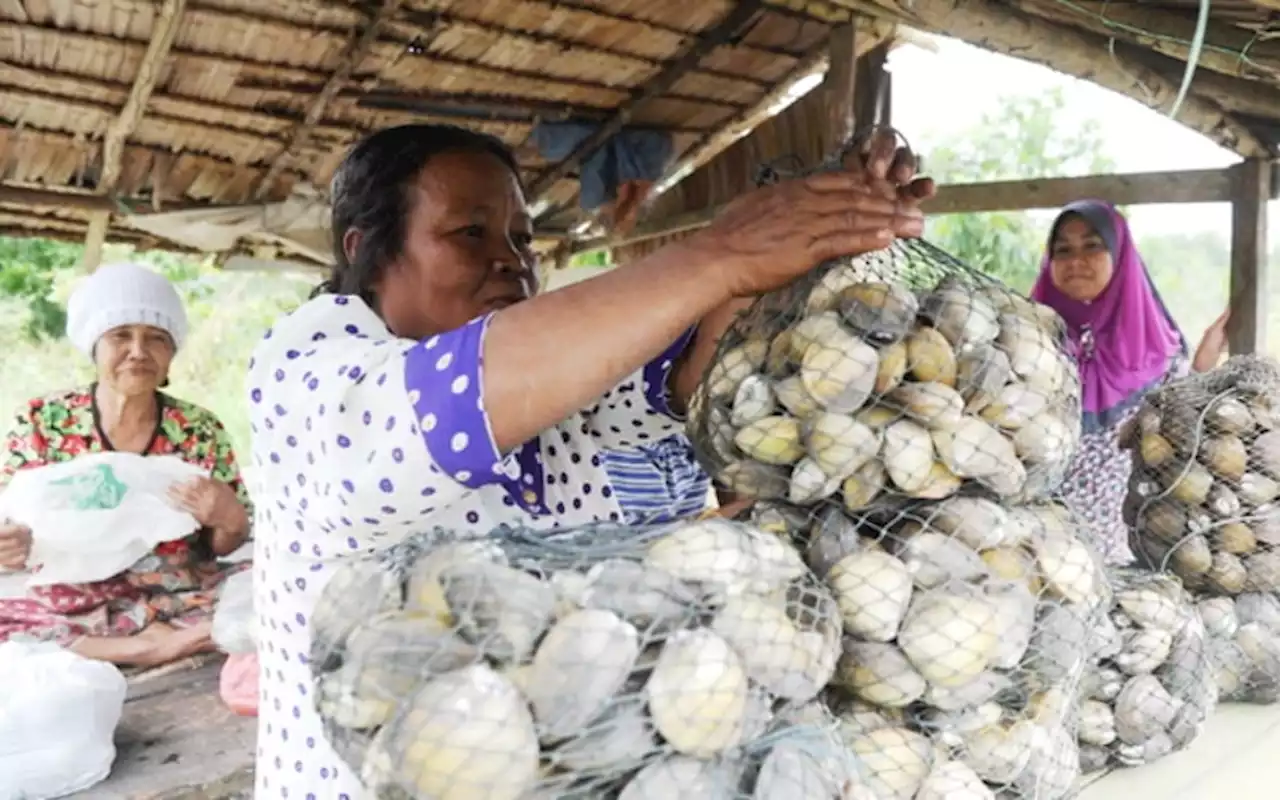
x,y
776,233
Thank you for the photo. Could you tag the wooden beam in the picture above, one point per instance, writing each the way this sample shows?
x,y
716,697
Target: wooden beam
x,y
1140,188
738,17
840,83
996,27
871,93
167,18
1247,328
47,198
358,48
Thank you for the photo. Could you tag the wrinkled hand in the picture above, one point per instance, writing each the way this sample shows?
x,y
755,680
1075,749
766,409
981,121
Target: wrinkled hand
x,y
774,234
15,546
162,644
1213,345
213,503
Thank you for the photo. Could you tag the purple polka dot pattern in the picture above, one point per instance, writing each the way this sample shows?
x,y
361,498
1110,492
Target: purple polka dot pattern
x,y
361,439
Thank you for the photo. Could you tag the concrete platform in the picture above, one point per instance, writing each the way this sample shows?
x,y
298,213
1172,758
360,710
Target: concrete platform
x,y
1236,758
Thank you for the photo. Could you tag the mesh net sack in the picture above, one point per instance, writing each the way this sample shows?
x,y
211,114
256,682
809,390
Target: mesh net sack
x,y
894,376
1206,477
967,627
1244,645
1152,685
598,662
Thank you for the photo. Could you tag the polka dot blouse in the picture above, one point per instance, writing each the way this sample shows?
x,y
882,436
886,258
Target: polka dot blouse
x,y
360,439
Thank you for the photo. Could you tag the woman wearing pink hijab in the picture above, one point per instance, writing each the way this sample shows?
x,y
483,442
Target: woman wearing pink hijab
x,y
1126,343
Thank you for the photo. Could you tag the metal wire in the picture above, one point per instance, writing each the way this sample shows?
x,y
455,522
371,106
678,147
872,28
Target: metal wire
x,y
1193,57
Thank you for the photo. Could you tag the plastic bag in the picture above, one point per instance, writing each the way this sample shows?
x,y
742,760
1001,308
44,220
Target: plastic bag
x,y
94,517
58,714
966,625
235,623
603,662
238,684
1153,686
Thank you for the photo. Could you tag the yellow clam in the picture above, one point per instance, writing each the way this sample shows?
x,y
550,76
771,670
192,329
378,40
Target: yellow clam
x,y
839,371
1229,415
772,440
862,487
940,483
935,404
1225,456
879,674
949,638
1032,353
962,315
698,694
792,396
1192,485
839,444
908,455
882,311
825,296
893,367
981,373
734,366
872,590
1067,566
877,418
895,762
930,357
1154,449
809,483
810,330
1046,439
1015,405
974,449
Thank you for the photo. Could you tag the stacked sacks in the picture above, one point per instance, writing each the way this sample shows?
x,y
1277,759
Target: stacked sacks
x,y
966,630
603,662
1153,685
1203,503
849,386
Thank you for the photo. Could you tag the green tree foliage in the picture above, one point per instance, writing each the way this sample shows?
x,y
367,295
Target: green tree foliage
x,y
1028,136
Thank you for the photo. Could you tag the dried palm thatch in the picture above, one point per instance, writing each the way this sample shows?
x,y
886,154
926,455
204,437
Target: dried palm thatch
x,y
112,107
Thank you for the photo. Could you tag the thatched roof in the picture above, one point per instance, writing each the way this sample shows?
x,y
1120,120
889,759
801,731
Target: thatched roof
x,y
120,106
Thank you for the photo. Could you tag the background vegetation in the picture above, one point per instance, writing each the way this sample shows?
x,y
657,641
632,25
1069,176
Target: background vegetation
x,y
230,311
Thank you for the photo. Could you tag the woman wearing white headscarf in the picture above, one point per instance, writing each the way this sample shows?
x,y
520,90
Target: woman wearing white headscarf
x,y
130,322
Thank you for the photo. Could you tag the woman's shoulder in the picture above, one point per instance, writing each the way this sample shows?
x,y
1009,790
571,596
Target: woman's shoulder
x,y
188,415
56,403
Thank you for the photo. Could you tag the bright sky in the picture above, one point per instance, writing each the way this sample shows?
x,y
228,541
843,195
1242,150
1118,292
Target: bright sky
x,y
956,85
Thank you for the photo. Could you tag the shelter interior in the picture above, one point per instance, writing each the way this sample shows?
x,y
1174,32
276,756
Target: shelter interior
x,y
216,125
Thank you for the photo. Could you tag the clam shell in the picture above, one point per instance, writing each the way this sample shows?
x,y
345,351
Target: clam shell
x,y
815,766
777,654
839,371
698,694
1223,503
930,357
1219,616
1143,709
1257,490
1068,567
1047,439
954,780
582,662
1258,607
839,445
423,592
1265,453
1192,485
881,311
725,555
1230,416
979,523
833,537
1227,574
502,610
1225,456
966,318
972,703
1152,609
792,396
879,674
682,778
1097,723
949,638
974,449
753,479
895,761
1262,571
877,418
809,483
1144,650
998,753
772,440
907,454
1015,609
1015,405
1155,450
940,483
474,711
1032,353
637,592
893,367
1165,519
936,405
753,401
872,590
809,330
733,367
861,488
935,559
622,736
825,295
981,373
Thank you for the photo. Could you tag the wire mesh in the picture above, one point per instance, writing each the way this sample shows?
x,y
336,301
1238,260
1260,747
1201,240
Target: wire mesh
x,y
968,626
597,662
1153,684
1244,645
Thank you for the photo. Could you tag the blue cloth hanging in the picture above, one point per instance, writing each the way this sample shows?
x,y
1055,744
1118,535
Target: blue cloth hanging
x,y
631,155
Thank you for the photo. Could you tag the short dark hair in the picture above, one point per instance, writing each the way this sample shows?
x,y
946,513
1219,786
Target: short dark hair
x,y
369,193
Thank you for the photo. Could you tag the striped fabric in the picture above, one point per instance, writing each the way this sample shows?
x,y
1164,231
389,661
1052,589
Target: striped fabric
x,y
659,482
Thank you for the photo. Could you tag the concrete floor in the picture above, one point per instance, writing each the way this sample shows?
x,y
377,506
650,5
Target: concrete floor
x,y
1236,758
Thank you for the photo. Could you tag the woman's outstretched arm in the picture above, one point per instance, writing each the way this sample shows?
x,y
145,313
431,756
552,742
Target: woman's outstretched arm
x,y
552,355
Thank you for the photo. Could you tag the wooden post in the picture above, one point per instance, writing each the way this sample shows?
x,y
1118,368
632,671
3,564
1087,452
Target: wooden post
x,y
871,88
839,84
1247,329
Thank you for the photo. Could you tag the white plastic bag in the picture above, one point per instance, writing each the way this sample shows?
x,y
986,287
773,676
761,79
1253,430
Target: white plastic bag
x,y
94,517
58,715
235,624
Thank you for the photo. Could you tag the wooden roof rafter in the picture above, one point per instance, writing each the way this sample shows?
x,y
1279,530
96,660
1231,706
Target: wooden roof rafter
x,y
357,50
739,17
165,30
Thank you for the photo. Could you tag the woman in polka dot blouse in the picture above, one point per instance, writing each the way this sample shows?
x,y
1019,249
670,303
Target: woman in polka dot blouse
x,y
429,384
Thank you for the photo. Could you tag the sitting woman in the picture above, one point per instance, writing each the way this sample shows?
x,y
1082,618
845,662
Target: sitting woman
x,y
1126,343
131,322
429,384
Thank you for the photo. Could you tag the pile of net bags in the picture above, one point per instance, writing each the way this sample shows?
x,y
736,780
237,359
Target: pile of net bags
x,y
1202,503
679,661
1151,684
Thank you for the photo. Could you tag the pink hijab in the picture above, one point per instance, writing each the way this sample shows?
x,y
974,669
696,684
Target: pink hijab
x,y
1125,338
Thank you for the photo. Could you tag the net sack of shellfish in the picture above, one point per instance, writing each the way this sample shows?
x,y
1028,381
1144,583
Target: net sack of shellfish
x,y
603,661
895,376
1153,683
1206,478
1244,645
966,624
